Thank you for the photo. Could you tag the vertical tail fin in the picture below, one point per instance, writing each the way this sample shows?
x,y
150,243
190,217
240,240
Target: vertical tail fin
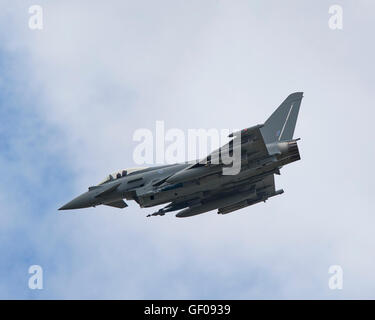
x,y
280,125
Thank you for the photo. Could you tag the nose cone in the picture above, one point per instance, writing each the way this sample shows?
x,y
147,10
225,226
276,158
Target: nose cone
x,y
85,200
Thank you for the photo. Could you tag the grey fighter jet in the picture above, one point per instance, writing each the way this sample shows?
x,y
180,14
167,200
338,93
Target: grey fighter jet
x,y
202,186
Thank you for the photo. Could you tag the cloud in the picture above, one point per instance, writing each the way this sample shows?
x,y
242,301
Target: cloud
x,y
76,92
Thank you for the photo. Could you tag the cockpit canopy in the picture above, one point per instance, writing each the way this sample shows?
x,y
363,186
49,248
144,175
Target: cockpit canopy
x,y
120,174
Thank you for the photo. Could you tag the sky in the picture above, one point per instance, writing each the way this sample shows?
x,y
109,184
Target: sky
x,y
73,94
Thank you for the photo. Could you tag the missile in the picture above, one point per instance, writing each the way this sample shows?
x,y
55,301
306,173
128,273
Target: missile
x,y
237,206
247,202
214,204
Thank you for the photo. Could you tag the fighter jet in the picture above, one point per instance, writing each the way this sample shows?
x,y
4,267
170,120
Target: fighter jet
x,y
197,187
